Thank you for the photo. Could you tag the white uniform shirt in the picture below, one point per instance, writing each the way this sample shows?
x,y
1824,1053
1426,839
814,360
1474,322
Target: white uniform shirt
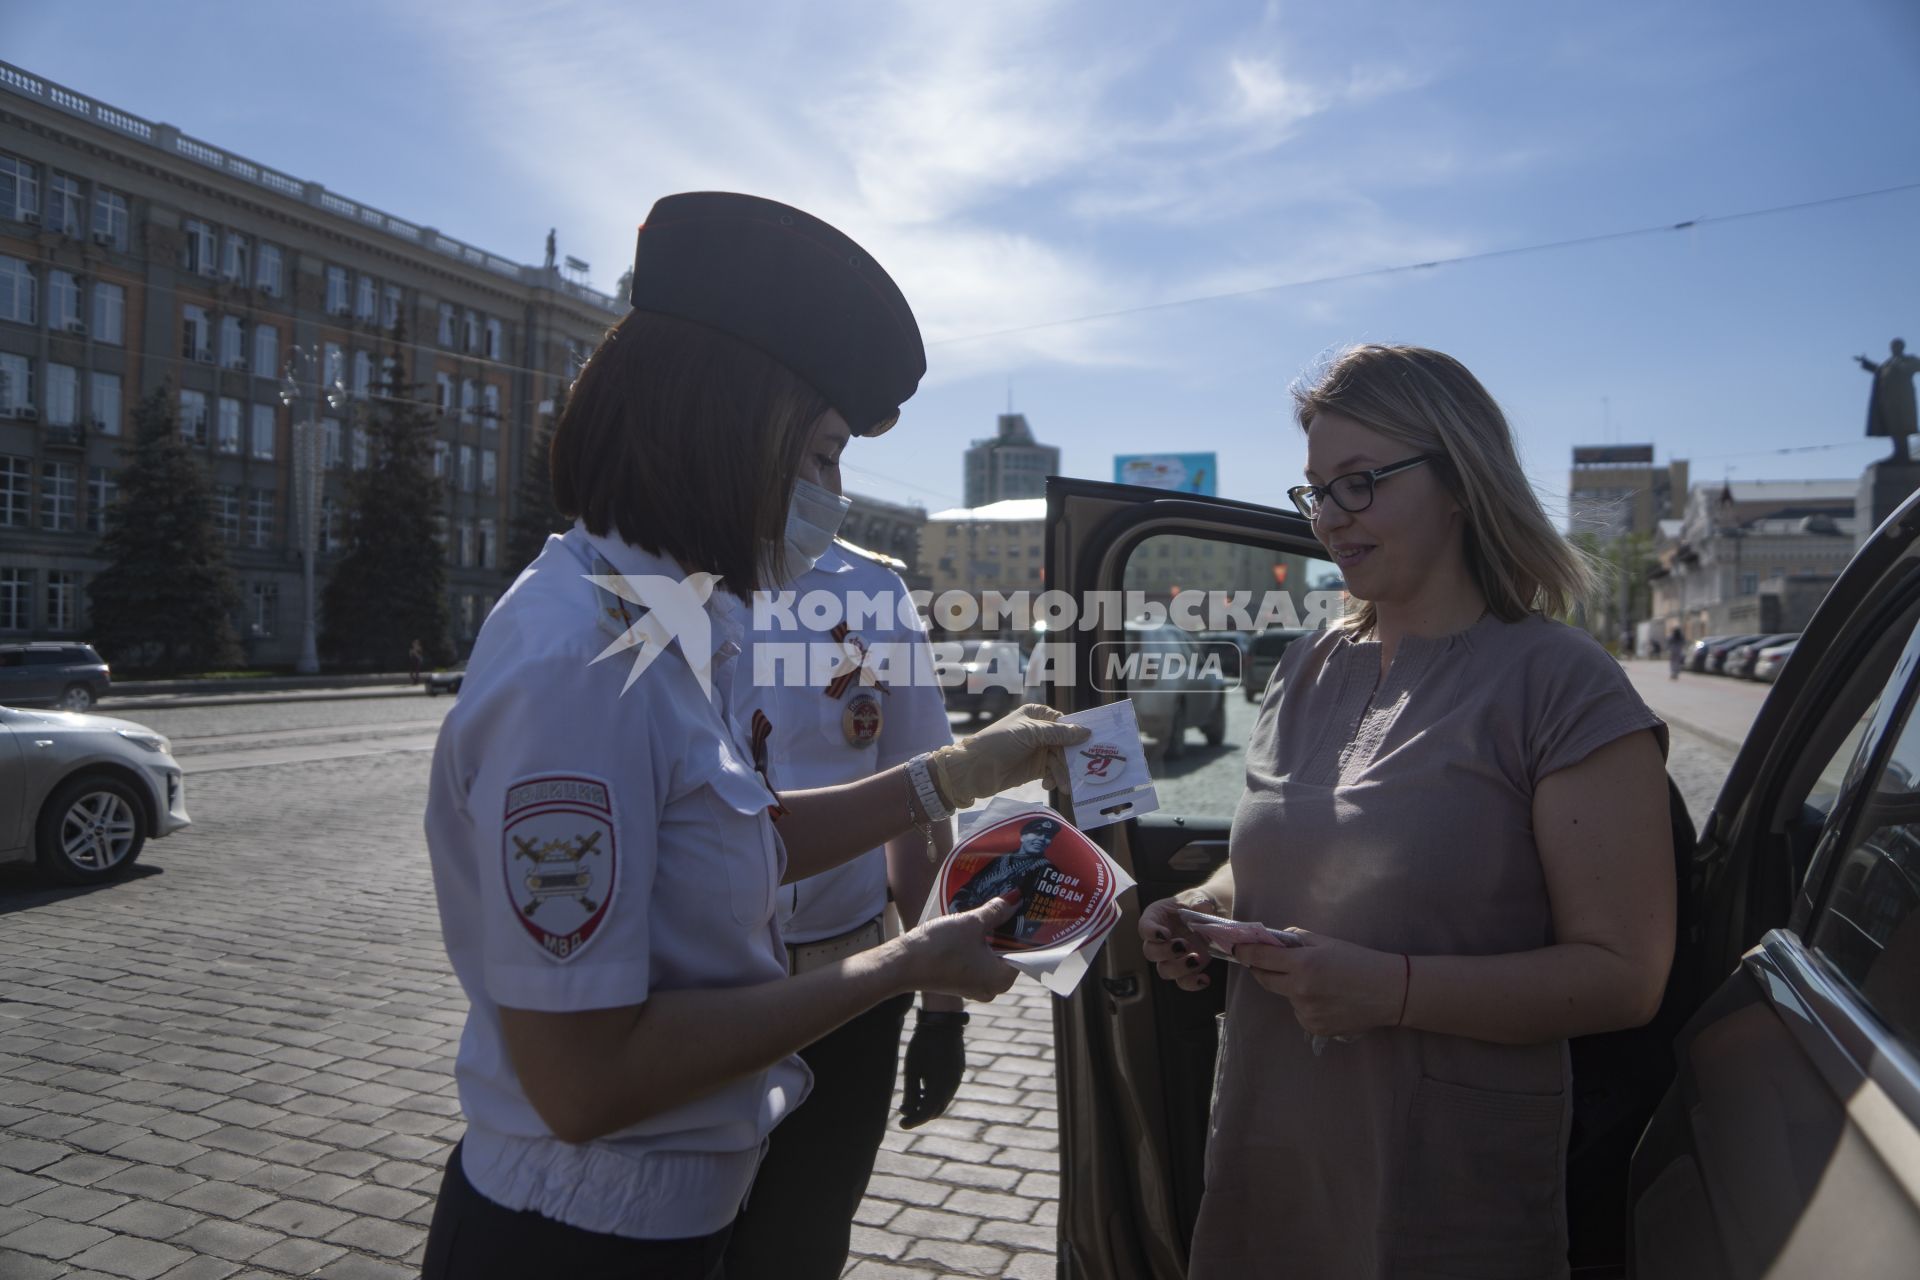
x,y
810,746
589,847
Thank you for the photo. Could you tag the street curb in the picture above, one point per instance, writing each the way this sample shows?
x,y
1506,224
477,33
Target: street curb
x,y
113,704
1717,739
257,684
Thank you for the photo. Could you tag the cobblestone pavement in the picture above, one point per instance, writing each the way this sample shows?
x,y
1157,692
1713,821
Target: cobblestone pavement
x,y
236,1061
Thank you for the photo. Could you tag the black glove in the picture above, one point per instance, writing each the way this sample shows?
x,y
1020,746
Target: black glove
x,y
936,1059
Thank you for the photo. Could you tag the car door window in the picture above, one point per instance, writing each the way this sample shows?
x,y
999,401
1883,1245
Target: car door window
x,y
1868,929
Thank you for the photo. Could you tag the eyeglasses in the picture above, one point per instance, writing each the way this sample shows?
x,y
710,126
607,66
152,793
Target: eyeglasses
x,y
1352,492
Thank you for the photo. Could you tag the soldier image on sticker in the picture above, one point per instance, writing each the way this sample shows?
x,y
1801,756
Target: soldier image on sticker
x,y
557,851
1063,882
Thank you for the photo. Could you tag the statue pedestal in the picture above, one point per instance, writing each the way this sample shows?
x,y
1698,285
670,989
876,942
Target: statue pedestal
x,y
1884,485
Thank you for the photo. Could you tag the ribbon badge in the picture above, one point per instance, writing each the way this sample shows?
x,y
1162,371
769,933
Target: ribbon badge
x,y
855,662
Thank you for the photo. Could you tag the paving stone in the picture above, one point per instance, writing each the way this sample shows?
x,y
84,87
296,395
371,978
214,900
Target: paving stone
x,y
986,1177
965,1259
324,1187
150,1181
246,1142
222,1199
1017,1235
297,1257
15,1265
234,1241
75,1204
184,1127
1040,1186
300,1218
133,1258
154,1149
933,1224
357,1268
910,1191
1031,1266
147,1220
348,1164
85,1170
53,1238
868,1269
41,1124
988,1204
388,1239
381,1202
223,1165
202,1268
24,1155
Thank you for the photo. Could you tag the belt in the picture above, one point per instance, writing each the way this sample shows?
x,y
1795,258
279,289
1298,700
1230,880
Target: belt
x,y
803,957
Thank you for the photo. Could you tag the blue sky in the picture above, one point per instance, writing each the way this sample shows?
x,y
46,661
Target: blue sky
x,y
1014,163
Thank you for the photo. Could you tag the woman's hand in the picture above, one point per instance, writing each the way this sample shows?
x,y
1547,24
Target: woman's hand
x,y
1028,742
951,954
1336,988
1177,954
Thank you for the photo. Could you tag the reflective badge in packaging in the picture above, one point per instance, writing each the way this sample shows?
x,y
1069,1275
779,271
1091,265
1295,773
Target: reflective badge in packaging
x,y
1109,770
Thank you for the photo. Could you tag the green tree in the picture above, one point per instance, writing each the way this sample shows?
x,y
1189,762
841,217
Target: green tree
x,y
166,601
389,586
534,515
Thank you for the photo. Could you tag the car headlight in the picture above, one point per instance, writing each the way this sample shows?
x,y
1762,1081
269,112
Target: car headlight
x,y
149,741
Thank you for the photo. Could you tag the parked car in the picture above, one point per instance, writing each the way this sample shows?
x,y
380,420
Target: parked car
x,y
1175,680
1232,648
447,681
1767,664
991,679
1697,655
1263,655
1740,658
1759,1126
81,795
52,674
1717,653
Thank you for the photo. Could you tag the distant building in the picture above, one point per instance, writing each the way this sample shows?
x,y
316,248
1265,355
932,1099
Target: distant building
x,y
1751,557
1617,489
1009,465
890,529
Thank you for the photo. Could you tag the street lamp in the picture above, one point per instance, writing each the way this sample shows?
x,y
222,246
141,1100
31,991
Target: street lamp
x,y
307,471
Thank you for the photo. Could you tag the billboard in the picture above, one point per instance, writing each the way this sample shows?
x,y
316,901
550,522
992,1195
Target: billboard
x,y
1182,472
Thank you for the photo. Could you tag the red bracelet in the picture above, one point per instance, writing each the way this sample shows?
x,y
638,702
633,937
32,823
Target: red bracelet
x,y
1406,988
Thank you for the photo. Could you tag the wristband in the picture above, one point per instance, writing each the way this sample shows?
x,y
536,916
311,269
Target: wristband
x,y
929,795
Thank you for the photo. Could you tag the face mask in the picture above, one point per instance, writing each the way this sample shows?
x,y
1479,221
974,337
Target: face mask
x,y
813,517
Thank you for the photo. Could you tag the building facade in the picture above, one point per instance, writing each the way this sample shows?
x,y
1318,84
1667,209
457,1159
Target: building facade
x,y
136,258
1751,557
1617,489
890,529
1009,465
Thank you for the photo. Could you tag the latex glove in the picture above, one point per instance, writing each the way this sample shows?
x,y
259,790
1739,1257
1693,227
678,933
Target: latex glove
x,y
1026,743
936,1058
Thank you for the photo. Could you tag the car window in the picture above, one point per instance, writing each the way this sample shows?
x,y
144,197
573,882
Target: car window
x,y
46,658
1834,750
1869,928
12,658
1188,586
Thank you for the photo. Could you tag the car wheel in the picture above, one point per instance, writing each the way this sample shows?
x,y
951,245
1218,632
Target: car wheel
x,y
76,698
1177,731
91,829
1216,730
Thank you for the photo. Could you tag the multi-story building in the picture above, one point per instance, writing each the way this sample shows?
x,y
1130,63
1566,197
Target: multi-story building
x,y
1616,489
890,529
135,258
1008,465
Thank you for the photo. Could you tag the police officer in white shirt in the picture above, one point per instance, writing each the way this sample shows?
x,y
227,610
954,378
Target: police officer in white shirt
x,y
604,853
876,707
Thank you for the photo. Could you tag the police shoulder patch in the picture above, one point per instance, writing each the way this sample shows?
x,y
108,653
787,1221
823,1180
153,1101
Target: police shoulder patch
x,y
559,854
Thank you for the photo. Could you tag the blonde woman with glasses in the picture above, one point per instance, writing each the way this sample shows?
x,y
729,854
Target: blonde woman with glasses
x,y
1456,815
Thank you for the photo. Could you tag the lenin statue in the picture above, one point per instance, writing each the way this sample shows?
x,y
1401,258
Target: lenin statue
x,y
1890,410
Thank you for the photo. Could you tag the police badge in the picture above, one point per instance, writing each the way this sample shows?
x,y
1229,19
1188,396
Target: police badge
x,y
861,719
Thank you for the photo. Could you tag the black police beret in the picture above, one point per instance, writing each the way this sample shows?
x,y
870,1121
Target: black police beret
x,y
790,285
1045,825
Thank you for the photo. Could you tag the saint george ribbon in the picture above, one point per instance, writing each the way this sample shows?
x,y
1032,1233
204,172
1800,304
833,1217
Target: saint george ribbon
x,y
854,663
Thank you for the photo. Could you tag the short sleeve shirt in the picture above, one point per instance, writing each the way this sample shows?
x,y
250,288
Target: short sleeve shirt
x,y
593,841
840,702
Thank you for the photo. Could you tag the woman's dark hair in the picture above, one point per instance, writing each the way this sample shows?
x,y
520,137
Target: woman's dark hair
x,y
685,442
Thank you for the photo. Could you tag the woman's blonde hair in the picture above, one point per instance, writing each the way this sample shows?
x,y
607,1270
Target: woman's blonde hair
x,y
1429,402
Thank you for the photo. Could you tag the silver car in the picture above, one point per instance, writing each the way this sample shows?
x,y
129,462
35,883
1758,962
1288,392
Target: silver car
x,y
80,794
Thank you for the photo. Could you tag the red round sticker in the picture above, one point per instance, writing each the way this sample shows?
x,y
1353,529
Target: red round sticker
x,y
1065,885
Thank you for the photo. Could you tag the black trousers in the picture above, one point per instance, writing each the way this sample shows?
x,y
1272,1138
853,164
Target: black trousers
x,y
799,1216
472,1238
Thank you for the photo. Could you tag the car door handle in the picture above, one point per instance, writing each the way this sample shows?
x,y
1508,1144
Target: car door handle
x,y
43,742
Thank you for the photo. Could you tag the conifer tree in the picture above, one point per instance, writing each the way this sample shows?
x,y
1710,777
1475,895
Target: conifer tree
x,y
166,601
388,588
534,515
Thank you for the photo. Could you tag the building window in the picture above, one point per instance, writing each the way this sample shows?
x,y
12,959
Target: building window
x,y
486,546
59,482
490,405
259,517
362,374
261,446
16,385
390,306
226,437
19,190
493,340
193,417
446,325
489,471
465,559
233,343
364,299
329,532
196,334
16,595
63,205
337,303
263,603
440,448
466,468
111,220
109,313
330,442
226,514
333,366
469,608
16,491
102,489
200,250
103,395
470,332
266,350
266,270
359,448
19,300
233,265
63,395
63,302
469,397
443,392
